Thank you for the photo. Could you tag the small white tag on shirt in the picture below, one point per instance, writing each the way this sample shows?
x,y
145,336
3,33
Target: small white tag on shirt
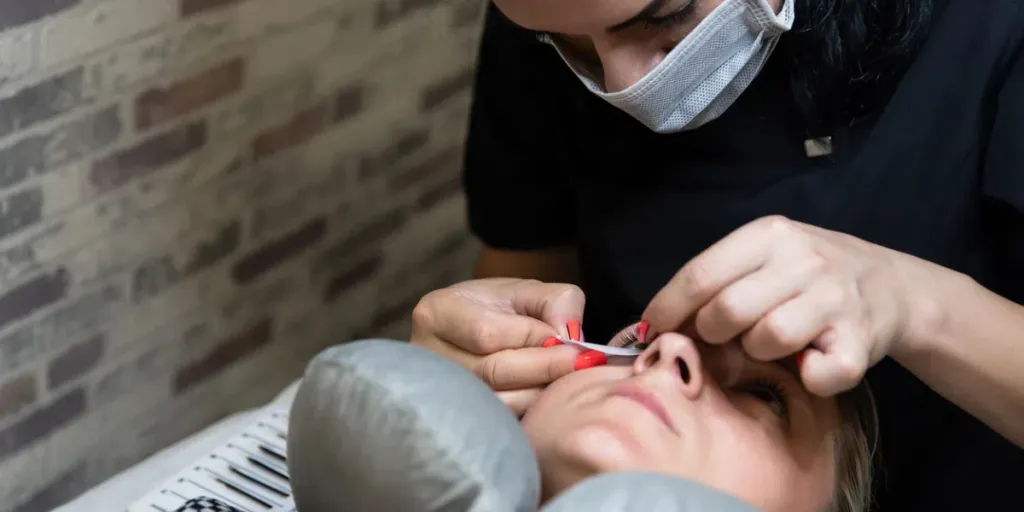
x,y
822,146
611,351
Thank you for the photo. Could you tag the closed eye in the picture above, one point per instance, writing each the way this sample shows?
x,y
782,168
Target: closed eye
x,y
769,392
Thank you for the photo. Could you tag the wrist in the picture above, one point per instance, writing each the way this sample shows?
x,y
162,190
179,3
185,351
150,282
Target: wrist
x,y
933,296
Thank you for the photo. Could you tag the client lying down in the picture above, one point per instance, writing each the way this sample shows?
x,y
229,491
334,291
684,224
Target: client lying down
x,y
709,414
382,425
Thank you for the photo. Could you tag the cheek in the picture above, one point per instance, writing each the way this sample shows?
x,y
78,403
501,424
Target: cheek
x,y
563,398
752,464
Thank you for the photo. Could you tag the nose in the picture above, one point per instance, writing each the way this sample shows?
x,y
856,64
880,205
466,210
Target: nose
x,y
676,355
625,64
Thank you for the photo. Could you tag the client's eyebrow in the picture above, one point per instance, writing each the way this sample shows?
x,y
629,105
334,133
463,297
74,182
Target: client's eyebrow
x,y
648,13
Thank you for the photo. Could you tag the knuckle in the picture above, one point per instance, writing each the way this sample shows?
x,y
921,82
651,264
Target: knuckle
x,y
423,314
728,306
489,371
777,224
813,262
781,334
850,369
486,337
696,276
570,293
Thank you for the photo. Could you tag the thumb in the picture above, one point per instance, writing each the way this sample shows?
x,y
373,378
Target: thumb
x,y
526,367
836,364
552,303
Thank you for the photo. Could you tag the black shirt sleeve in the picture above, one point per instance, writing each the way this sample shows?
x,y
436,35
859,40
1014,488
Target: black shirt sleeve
x,y
1003,177
520,130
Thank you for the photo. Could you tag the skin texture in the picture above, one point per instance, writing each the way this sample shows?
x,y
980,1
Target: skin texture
x,y
618,58
495,328
719,426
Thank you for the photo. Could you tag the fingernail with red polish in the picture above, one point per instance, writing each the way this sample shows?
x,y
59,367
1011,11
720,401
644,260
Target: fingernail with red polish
x,y
641,331
551,342
573,327
800,359
590,359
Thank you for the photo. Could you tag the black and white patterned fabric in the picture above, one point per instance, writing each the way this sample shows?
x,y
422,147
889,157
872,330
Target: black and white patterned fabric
x,y
206,505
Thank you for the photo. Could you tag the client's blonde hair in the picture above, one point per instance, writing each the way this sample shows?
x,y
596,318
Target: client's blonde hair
x,y
855,451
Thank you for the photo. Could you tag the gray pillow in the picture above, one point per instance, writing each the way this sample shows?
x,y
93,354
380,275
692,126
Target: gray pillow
x,y
381,425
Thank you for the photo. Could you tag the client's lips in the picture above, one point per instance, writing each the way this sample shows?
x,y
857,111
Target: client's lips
x,y
646,399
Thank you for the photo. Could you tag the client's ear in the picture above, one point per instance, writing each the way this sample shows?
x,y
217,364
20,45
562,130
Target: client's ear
x,y
382,425
643,492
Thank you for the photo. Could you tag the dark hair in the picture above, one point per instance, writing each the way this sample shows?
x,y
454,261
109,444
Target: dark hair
x,y
848,56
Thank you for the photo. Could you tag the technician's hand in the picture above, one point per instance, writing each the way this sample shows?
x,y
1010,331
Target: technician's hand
x,y
497,328
784,288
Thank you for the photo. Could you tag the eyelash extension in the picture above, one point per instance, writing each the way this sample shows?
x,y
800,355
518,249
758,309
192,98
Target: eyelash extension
x,y
628,337
778,397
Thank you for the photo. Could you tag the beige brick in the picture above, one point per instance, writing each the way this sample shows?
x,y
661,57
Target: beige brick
x,y
256,17
28,465
263,105
286,51
91,28
17,51
77,219
125,65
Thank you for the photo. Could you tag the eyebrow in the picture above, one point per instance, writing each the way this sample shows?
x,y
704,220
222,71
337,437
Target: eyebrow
x,y
646,14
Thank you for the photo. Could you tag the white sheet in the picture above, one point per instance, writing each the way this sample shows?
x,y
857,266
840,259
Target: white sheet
x,y
117,493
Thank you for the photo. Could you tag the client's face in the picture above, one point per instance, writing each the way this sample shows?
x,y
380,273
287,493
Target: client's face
x,y
705,413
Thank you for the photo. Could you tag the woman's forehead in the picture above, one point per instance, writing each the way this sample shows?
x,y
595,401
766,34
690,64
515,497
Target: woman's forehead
x,y
570,16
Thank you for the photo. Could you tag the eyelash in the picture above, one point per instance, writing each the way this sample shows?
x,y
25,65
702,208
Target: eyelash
x,y
628,338
770,392
672,19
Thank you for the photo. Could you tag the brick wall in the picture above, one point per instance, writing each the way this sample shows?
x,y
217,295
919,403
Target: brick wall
x,y
196,196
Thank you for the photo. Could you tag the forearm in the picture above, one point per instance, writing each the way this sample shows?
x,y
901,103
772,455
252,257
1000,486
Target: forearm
x,y
550,265
967,344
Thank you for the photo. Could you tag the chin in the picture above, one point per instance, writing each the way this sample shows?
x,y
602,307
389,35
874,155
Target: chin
x,y
603,447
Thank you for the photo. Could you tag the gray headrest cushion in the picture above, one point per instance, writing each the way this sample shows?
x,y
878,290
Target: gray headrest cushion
x,y
383,425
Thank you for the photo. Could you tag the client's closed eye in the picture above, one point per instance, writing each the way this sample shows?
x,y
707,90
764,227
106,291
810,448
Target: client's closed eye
x,y
769,392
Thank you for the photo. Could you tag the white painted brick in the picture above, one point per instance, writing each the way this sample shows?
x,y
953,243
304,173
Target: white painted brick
x,y
256,17
28,466
423,231
128,64
70,202
268,104
17,53
91,28
204,36
289,50
172,48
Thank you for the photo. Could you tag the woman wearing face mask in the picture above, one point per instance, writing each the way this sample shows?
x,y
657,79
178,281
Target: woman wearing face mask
x,y
712,415
840,182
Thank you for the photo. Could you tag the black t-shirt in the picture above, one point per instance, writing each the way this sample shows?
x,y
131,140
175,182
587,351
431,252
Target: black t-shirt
x,y
937,173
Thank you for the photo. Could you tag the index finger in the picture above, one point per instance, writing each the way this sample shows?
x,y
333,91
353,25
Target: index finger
x,y
526,368
741,252
481,330
552,303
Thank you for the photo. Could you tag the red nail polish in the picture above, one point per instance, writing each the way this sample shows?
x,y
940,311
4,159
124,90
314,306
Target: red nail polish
x,y
800,359
641,331
590,359
551,342
573,327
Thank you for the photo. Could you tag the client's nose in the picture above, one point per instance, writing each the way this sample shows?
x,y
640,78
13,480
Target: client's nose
x,y
678,355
